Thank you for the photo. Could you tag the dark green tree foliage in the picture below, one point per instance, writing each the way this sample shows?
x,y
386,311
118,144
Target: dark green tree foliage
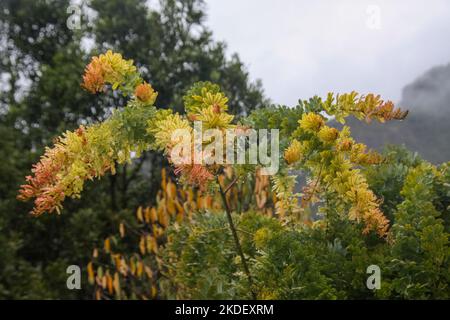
x,y
175,50
41,64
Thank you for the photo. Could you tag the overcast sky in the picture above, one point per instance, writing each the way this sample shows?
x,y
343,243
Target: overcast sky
x,y
301,48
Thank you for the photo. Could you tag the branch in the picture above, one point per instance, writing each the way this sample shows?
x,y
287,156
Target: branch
x,y
236,239
231,185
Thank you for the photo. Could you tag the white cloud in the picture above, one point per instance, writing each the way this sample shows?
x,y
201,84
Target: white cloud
x,y
302,48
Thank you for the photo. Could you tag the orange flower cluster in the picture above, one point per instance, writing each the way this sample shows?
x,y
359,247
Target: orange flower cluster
x,y
377,221
94,76
42,185
195,174
145,93
294,152
381,110
46,184
311,122
62,170
364,107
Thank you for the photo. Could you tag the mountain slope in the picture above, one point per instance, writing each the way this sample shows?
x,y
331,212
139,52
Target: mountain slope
x,y
427,127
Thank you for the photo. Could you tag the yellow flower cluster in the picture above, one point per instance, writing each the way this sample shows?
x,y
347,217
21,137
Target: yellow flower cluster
x,y
209,106
116,68
328,134
333,163
311,122
108,68
203,103
163,128
207,98
213,118
294,152
287,200
352,188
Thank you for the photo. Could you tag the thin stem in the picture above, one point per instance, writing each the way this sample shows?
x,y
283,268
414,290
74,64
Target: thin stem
x,y
318,178
230,185
236,239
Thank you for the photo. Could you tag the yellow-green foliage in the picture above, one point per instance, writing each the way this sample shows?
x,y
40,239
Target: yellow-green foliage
x,y
292,255
330,156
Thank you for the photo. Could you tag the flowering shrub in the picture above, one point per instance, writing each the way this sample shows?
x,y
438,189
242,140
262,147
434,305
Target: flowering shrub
x,y
195,257
330,259
330,156
336,168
